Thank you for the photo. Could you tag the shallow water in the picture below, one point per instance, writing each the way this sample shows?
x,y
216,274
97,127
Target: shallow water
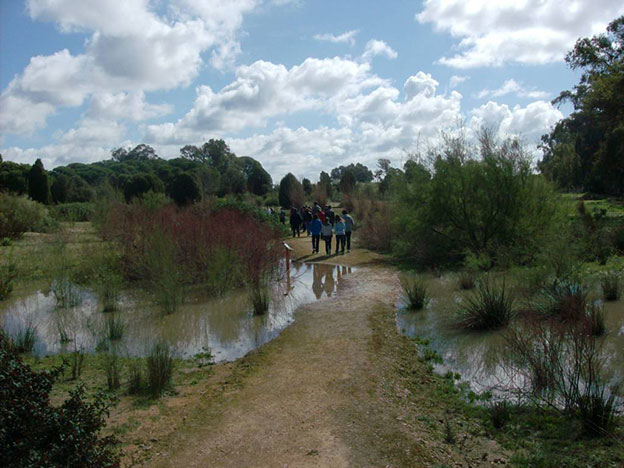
x,y
224,326
476,355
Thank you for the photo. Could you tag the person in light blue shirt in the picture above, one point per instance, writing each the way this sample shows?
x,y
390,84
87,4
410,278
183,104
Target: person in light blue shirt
x,y
339,230
315,229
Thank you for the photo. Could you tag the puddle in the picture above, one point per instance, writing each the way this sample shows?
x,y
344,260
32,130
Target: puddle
x,y
476,356
225,326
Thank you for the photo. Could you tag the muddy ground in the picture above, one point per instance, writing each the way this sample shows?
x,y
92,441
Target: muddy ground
x,y
339,387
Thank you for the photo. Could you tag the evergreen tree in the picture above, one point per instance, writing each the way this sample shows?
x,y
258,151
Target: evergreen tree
x,y
290,192
38,184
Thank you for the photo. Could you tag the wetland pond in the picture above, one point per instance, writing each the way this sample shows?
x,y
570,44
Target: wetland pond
x,y
476,356
223,326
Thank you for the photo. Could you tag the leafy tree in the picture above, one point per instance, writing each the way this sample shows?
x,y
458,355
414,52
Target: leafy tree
x,y
347,182
140,152
307,186
140,184
215,153
326,184
259,181
290,192
35,433
184,189
38,183
232,182
383,166
60,188
360,172
595,130
14,177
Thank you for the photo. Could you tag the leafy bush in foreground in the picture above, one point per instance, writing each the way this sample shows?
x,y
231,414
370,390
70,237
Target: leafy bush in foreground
x,y
35,433
19,215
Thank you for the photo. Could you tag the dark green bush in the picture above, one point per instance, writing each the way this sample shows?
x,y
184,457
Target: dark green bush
x,y
33,433
490,306
611,286
8,273
565,299
73,212
414,292
19,215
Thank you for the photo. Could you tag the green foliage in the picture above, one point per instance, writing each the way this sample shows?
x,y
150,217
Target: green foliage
x,y
500,413
347,182
483,199
23,339
184,189
14,177
564,298
490,306
141,184
136,385
110,364
159,369
8,273
115,327
19,215
586,149
361,173
596,318
73,212
38,183
307,187
414,291
467,279
291,192
611,284
325,184
35,433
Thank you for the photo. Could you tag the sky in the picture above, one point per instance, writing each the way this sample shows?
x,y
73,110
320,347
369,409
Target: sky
x,y
300,85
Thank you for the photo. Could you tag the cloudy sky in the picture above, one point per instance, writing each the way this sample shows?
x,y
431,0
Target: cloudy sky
x,y
301,85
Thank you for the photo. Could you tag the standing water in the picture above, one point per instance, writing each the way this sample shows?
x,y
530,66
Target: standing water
x,y
226,326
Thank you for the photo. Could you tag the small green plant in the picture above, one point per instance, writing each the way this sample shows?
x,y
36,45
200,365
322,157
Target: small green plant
x,y
595,316
500,413
490,306
597,411
414,292
115,327
467,279
77,361
449,432
611,286
8,273
136,385
6,242
111,368
159,369
260,298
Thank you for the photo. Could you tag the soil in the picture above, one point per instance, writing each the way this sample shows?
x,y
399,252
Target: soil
x,y
338,388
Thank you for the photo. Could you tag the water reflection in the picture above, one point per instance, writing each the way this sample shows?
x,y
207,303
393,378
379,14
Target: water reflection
x,y
477,356
225,326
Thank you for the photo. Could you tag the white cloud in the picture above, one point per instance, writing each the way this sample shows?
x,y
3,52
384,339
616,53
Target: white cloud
x,y
128,106
132,49
346,37
374,48
511,86
456,80
527,31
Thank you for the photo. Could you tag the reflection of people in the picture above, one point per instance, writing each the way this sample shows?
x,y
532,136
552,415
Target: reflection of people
x,y
317,281
328,285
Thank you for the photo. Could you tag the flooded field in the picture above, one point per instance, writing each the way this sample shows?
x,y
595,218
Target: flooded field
x,y
476,356
224,326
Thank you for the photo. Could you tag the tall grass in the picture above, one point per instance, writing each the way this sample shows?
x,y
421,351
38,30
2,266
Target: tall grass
x,y
109,290
136,385
596,319
77,362
466,279
260,297
611,286
490,306
111,369
23,340
159,369
114,327
414,291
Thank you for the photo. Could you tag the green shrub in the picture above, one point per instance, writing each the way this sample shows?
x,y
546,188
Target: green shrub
x,y
260,298
500,413
136,385
8,273
414,291
490,306
597,411
111,369
73,212
19,215
611,286
565,299
33,432
6,242
77,361
467,279
159,369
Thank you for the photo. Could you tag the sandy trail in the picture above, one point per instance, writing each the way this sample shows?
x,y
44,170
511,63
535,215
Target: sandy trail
x,y
328,391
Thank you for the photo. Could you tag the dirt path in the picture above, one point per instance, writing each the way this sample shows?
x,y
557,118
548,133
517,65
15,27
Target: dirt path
x,y
337,388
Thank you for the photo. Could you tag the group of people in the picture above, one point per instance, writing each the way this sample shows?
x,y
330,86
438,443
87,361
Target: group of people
x,y
322,223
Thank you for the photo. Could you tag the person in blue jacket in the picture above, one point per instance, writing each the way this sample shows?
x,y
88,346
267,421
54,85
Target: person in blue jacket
x,y
315,228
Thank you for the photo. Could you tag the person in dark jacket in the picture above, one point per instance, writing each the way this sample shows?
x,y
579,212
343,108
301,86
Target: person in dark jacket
x,y
295,222
315,229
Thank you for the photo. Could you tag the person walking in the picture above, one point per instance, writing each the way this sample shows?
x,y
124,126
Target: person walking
x,y
307,219
349,225
326,233
339,229
329,213
295,222
315,229
321,215
282,216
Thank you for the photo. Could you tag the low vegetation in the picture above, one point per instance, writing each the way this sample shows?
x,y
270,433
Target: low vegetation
x,y
414,291
489,306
